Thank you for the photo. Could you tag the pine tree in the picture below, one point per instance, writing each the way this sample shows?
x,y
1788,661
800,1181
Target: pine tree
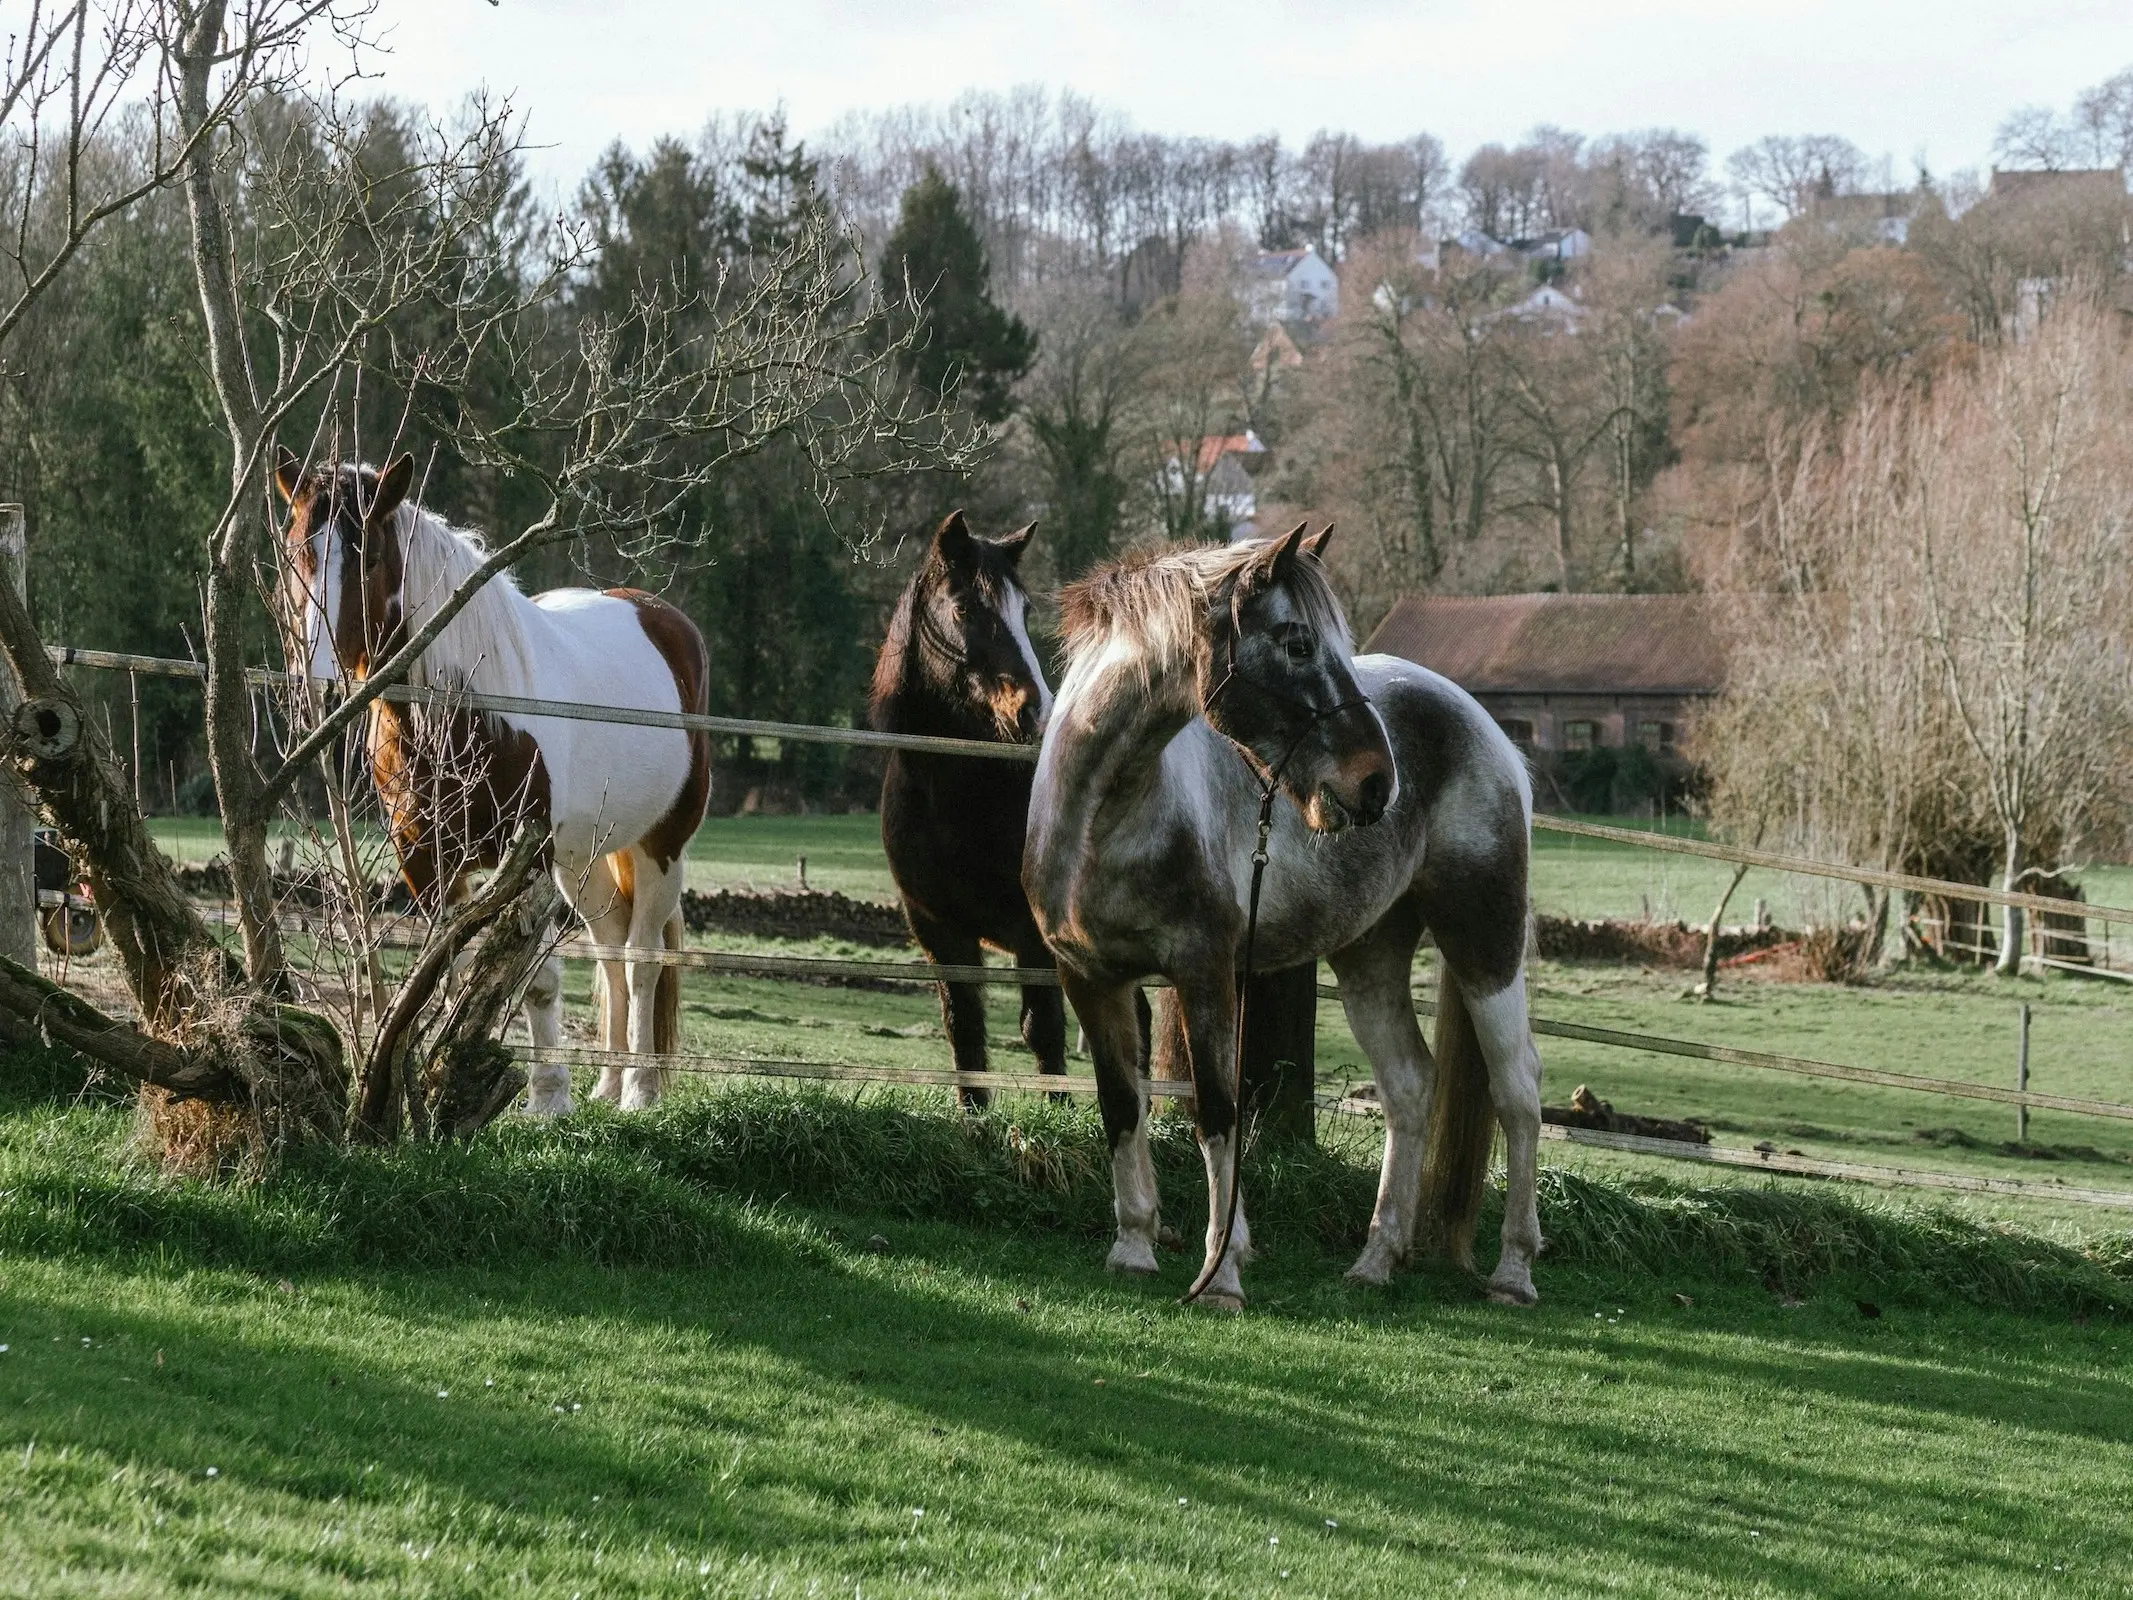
x,y
966,345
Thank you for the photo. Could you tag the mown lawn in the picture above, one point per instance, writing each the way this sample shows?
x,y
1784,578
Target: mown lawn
x,y
764,1343
985,1414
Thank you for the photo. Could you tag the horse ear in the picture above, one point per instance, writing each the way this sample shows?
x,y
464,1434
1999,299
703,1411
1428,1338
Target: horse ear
x,y
1279,559
1011,545
393,485
953,541
1318,541
288,472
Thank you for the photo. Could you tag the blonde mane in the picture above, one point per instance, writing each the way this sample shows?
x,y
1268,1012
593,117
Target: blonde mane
x,y
1156,604
486,648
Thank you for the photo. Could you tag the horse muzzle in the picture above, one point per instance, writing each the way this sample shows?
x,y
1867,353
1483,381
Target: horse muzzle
x,y
1354,797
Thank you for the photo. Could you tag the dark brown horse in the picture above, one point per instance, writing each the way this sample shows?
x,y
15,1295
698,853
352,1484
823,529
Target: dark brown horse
x,y
958,662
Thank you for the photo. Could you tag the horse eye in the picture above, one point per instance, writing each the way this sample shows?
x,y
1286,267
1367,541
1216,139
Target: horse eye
x,y
1300,649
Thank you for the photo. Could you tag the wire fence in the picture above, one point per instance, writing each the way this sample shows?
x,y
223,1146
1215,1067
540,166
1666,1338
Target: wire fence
x,y
809,968
868,738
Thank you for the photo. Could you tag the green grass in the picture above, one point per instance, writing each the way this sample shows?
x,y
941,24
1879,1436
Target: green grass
x,y
1572,876
1958,1026
667,1355
843,852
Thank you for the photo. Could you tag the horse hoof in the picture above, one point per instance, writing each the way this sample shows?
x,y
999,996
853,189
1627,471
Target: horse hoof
x,y
1514,1294
550,1108
639,1102
1135,1256
1372,1273
1221,1302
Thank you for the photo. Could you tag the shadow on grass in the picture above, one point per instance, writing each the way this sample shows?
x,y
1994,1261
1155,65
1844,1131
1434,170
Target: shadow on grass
x,y
809,1381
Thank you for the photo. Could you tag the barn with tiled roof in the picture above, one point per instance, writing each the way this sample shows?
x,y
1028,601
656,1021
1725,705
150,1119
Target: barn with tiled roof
x,y
1569,671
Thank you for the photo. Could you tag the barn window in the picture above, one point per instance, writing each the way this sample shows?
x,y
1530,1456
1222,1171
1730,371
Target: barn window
x,y
1657,737
1518,730
1578,736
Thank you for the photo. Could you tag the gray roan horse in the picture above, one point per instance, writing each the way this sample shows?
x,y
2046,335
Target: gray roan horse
x,y
1194,678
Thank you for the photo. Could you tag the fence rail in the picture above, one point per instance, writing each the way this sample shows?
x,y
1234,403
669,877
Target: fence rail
x,y
804,967
868,738
1805,865
796,967
1626,1143
567,710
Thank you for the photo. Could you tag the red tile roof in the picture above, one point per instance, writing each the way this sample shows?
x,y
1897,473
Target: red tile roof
x,y
1560,643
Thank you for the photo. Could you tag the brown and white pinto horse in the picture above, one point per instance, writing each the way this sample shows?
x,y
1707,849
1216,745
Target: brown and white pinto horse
x,y
366,566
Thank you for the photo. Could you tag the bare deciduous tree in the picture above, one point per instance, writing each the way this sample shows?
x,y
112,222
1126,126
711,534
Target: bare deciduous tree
x,y
319,273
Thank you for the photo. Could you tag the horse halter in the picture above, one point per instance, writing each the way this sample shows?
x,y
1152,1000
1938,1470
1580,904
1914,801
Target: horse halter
x,y
1314,715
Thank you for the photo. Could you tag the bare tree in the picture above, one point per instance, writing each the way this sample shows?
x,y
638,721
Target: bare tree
x,y
2104,116
1929,617
310,265
1792,172
2034,138
2025,529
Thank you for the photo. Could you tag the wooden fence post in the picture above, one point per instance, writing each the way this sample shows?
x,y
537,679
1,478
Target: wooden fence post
x,y
1280,1055
2022,1079
18,869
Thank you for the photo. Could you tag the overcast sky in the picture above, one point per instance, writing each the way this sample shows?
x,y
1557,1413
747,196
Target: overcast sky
x,y
1905,78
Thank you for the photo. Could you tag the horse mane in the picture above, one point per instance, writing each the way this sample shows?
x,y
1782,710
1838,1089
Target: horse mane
x,y
1155,604
484,649
890,666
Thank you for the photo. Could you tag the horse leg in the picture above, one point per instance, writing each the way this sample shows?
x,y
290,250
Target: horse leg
x,y
1208,1003
1043,1007
1107,1016
962,1004
1506,1039
1374,974
652,907
596,896
547,1082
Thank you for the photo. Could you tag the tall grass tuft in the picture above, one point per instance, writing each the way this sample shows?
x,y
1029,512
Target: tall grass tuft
x,y
673,1188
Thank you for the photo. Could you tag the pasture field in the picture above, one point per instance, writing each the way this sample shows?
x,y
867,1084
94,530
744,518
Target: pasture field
x,y
577,1360
1960,1027
1572,877
1955,1025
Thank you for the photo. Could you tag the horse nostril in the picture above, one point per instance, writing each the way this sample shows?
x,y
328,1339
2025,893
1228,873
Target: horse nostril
x,y
1376,793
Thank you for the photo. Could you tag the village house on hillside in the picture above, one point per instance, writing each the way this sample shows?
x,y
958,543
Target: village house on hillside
x,y
1569,672
1293,286
1229,498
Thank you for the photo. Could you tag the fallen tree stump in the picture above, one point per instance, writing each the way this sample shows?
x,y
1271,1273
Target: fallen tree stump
x,y
1659,944
1588,1110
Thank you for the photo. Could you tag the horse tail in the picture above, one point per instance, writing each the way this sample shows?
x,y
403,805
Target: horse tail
x,y
1462,1126
666,1000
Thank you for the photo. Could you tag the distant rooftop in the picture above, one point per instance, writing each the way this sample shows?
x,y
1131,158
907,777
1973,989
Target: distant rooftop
x,y
1560,643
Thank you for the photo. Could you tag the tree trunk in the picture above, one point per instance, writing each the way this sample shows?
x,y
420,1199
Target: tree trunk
x,y
18,824
232,560
173,963
468,1077
1709,987
2015,922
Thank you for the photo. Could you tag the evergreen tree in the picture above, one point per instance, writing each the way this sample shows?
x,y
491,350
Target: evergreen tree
x,y
966,344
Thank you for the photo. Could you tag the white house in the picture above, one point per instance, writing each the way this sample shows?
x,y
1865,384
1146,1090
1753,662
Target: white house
x,y
1566,244
1550,305
1293,286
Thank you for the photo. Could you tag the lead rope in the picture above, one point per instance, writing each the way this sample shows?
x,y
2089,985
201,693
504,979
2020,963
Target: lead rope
x,y
1272,787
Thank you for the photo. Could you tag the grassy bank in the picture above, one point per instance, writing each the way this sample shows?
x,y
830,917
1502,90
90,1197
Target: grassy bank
x,y
676,1188
984,1413
767,1343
